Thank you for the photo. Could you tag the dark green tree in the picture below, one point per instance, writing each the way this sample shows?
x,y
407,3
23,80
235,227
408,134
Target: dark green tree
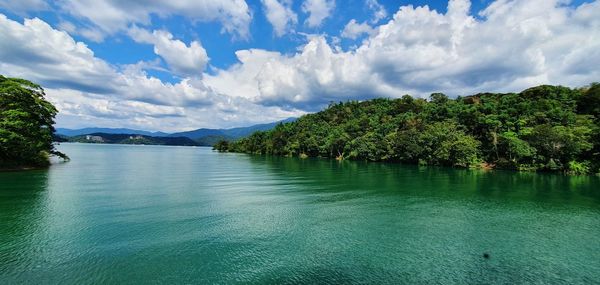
x,y
26,124
590,101
221,146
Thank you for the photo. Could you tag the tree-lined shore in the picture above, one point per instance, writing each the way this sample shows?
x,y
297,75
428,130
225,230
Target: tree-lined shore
x,y
544,128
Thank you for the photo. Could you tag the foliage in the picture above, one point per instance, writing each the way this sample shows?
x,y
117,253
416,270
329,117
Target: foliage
x,y
221,146
590,101
548,128
578,168
26,120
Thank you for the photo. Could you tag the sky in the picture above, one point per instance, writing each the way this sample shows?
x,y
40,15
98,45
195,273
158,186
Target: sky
x,y
185,64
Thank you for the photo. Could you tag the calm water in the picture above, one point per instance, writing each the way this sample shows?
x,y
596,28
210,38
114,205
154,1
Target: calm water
x,y
151,214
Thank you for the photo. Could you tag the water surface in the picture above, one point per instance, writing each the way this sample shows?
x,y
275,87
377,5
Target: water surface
x,y
153,214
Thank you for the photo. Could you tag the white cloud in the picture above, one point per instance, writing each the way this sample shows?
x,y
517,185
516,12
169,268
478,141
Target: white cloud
x,y
240,80
23,6
353,30
111,16
511,46
36,51
318,11
92,34
379,12
90,92
280,15
516,45
67,26
314,76
80,109
182,59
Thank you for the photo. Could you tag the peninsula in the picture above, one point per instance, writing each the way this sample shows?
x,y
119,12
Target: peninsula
x,y
544,128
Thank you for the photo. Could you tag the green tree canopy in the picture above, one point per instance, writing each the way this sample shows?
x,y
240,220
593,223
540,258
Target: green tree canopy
x,y
26,124
548,128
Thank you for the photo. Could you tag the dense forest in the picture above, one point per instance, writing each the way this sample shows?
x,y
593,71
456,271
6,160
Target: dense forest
x,y
26,125
545,128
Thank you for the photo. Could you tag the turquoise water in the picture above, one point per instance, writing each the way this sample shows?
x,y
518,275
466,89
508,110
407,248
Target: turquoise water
x,y
118,214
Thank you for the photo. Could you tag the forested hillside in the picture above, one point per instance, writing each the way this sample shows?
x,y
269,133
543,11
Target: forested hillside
x,y
550,128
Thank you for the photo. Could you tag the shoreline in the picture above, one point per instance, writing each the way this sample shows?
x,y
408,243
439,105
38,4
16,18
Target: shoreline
x,y
22,168
485,166
130,144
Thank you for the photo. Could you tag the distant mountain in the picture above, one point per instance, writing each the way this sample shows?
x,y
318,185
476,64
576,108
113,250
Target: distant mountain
x,y
233,133
199,133
200,137
246,131
131,139
86,131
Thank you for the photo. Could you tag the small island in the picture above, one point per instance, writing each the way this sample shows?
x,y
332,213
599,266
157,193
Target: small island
x,y
544,128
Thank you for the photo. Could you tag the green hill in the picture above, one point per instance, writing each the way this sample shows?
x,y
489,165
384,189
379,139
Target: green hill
x,y
549,128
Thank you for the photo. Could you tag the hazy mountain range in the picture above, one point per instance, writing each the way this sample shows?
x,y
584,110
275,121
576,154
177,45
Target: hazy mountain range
x,y
87,131
229,133
202,136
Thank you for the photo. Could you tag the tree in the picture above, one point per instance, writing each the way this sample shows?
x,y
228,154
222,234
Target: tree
x,y
408,147
589,103
558,145
221,146
336,142
445,144
26,124
516,148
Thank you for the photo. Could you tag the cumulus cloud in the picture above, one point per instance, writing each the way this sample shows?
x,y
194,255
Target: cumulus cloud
x,y
314,76
379,12
516,44
354,30
37,51
111,16
90,92
80,109
318,11
510,46
280,15
183,60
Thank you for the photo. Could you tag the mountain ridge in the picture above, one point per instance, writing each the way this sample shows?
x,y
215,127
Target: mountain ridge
x,y
202,136
115,131
235,133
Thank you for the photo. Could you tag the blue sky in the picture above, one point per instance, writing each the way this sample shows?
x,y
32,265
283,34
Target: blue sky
x,y
181,64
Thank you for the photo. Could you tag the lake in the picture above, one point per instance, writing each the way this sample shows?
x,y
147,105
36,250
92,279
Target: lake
x,y
124,214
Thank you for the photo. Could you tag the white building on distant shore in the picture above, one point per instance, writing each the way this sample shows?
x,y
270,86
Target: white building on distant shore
x,y
94,138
